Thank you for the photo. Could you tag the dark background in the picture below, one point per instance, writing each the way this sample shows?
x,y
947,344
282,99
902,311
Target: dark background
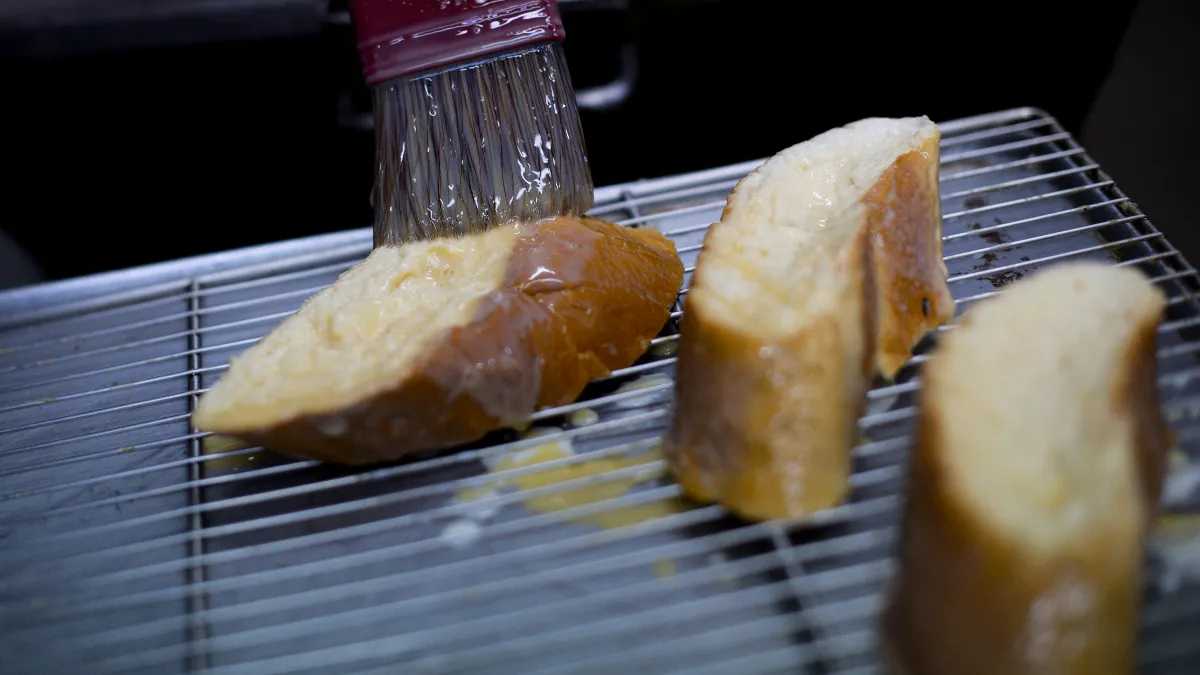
x,y
133,131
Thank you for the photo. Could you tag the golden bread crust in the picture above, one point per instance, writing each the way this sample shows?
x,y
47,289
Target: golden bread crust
x,y
1136,394
580,298
905,218
741,403
963,599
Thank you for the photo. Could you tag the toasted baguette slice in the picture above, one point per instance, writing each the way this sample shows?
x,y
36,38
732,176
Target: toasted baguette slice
x,y
1039,457
438,342
825,268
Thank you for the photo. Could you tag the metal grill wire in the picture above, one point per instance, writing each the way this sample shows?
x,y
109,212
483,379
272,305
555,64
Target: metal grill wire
x,y
131,544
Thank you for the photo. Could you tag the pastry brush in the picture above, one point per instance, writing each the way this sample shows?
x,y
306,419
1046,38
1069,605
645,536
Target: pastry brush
x,y
475,118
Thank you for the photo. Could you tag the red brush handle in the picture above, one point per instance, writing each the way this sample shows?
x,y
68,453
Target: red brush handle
x,y
405,37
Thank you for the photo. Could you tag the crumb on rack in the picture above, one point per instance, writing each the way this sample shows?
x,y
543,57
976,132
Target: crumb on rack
x,y
583,417
216,444
598,493
461,533
653,380
538,432
665,349
664,568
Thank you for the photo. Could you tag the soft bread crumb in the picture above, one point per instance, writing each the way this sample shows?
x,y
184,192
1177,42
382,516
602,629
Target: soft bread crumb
x,y
362,334
1059,339
786,223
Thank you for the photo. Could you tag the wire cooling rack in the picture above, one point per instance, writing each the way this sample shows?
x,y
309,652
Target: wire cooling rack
x,y
131,544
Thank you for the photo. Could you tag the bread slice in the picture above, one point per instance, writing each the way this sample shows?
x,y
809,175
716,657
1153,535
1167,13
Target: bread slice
x,y
436,343
1039,457
826,267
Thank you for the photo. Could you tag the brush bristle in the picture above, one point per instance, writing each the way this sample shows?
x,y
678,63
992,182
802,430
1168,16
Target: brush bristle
x,y
465,149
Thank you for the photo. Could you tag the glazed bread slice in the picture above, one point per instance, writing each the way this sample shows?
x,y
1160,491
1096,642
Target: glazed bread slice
x,y
826,267
436,343
1039,458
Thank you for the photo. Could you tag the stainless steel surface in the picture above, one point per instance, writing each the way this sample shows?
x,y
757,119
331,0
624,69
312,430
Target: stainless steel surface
x,y
125,547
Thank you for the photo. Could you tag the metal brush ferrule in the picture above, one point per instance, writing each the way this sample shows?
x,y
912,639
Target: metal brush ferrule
x,y
464,148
